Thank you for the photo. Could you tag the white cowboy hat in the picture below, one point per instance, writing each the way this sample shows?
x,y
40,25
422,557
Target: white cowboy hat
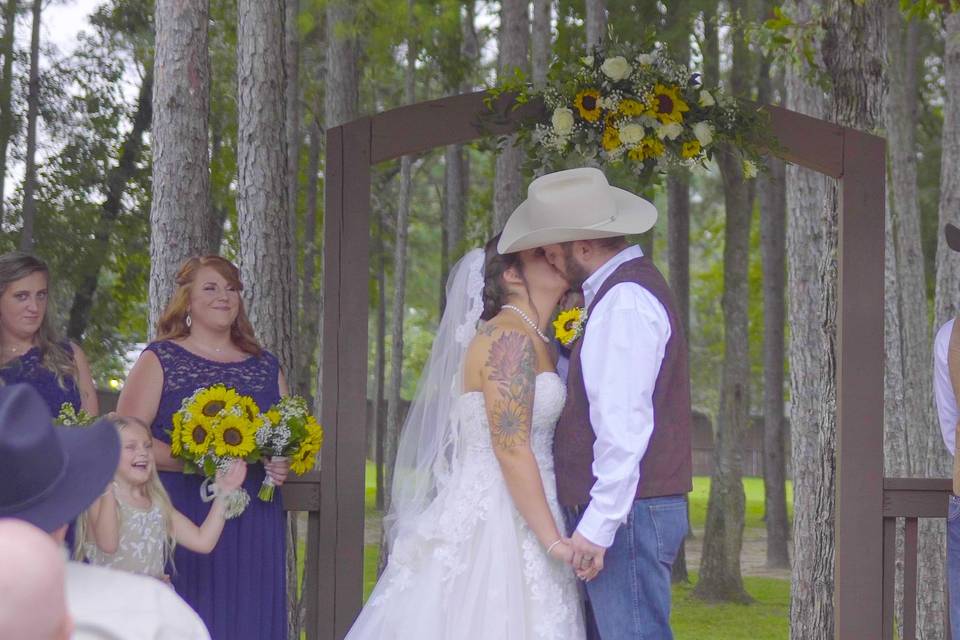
x,y
576,204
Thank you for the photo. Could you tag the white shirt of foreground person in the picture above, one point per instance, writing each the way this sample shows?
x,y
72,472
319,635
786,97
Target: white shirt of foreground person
x,y
623,348
116,605
942,389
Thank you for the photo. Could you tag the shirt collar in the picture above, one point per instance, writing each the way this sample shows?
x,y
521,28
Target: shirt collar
x,y
592,284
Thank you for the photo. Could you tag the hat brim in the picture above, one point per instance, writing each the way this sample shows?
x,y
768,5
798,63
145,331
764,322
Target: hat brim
x,y
91,456
952,234
634,215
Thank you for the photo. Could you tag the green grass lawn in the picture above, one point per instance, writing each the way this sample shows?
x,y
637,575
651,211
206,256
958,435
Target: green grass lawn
x,y
767,618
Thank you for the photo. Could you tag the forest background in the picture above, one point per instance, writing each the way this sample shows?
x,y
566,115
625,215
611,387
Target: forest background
x,y
171,128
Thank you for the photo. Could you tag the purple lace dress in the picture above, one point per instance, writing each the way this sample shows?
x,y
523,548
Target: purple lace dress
x,y
239,589
29,369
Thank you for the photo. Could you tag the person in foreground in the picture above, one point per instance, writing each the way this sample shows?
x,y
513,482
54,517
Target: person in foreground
x,y
622,447
476,551
34,604
51,475
204,338
132,526
946,389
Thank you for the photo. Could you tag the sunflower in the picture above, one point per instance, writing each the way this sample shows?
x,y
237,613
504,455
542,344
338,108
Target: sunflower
x,y
611,138
196,437
666,104
176,435
273,417
210,402
690,149
234,436
588,104
630,108
306,456
569,325
652,147
249,409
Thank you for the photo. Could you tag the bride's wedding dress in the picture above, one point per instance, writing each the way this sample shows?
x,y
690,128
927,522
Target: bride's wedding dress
x,y
468,567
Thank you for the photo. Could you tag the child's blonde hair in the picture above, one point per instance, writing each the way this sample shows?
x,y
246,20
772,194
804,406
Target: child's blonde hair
x,y
155,491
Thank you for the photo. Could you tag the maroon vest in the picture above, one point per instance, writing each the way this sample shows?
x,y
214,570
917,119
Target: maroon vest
x,y
666,468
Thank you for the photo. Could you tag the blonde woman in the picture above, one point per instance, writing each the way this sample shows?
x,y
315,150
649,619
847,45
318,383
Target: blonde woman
x,y
31,352
132,526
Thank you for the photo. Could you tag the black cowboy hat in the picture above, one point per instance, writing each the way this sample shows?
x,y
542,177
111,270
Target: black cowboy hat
x,y
953,236
50,474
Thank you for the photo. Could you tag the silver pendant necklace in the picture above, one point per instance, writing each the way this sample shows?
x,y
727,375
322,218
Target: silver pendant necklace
x,y
527,319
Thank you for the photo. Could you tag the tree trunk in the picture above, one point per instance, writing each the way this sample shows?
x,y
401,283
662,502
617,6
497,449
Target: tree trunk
x,y
514,37
541,41
720,577
6,94
773,238
181,173
850,48
596,22
117,180
399,284
33,110
262,207
291,63
343,79
380,359
309,292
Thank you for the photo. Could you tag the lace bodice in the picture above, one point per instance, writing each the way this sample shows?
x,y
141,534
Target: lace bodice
x,y
29,369
142,536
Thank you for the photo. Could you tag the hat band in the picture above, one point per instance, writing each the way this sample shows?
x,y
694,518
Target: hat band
x,y
30,501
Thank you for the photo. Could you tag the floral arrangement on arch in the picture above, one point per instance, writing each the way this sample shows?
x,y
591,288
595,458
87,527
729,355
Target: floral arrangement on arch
x,y
638,108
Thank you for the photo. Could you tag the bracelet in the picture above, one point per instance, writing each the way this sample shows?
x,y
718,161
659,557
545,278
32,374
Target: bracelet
x,y
550,548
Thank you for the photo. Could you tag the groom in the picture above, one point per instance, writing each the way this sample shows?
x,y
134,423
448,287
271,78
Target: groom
x,y
622,445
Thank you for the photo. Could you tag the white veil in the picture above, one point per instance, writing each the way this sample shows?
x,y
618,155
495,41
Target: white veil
x,y
427,449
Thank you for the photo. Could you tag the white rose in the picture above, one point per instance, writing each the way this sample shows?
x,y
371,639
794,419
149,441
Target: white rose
x,y
562,120
645,59
703,132
587,61
631,133
616,68
749,169
706,100
671,131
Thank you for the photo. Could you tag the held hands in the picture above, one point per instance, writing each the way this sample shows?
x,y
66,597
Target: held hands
x,y
278,469
587,558
231,479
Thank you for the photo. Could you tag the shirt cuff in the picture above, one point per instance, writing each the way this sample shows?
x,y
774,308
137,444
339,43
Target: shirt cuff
x,y
596,528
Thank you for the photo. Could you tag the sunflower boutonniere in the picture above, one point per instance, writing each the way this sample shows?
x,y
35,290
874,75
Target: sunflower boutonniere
x,y
569,325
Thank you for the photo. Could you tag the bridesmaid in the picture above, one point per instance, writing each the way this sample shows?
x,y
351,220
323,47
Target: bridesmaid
x,y
30,350
204,338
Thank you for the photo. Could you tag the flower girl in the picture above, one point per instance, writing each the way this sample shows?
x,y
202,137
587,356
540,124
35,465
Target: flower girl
x,y
133,526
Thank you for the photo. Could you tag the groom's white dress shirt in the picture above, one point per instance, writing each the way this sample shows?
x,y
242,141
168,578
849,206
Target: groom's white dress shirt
x,y
942,388
623,348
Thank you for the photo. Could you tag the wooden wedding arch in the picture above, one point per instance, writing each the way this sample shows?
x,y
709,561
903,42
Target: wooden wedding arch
x,y
867,503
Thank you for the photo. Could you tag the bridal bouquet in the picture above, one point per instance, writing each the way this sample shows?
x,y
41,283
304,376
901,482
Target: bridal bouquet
x,y
213,427
289,431
635,107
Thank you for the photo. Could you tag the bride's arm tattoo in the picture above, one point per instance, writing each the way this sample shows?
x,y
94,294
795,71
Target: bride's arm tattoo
x,y
511,367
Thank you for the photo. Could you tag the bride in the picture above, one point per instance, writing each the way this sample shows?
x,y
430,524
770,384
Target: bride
x,y
476,550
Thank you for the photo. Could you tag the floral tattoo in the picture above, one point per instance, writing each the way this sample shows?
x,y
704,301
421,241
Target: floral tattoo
x,y
512,370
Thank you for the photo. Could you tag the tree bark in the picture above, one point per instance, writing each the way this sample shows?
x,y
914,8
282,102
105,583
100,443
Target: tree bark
x,y
181,172
596,22
380,361
309,298
514,37
291,51
342,82
540,42
92,263
33,110
850,50
6,94
262,207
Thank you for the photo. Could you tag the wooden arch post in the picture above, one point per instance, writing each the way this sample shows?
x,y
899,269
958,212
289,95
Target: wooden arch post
x,y
854,158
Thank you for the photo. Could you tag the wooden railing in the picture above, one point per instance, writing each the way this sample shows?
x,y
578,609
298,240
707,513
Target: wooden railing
x,y
302,493
910,499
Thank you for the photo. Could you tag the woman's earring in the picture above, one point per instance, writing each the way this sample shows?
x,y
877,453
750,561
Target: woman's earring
x,y
188,321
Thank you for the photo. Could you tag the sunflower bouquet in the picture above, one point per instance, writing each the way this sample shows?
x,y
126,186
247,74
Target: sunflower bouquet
x,y
289,431
70,417
633,107
213,427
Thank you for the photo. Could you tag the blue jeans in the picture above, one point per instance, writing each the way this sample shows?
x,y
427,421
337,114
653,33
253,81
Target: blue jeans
x,y
630,597
953,564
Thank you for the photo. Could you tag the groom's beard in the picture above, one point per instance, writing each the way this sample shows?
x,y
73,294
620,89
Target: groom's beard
x,y
576,274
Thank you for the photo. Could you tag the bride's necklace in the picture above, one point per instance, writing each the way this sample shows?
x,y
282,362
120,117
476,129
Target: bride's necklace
x,y
527,319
